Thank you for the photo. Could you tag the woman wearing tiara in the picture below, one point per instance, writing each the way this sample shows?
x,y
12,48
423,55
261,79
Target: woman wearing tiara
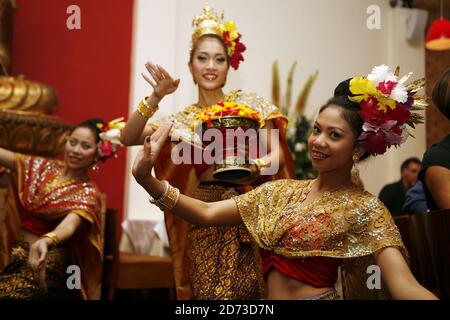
x,y
307,229
209,262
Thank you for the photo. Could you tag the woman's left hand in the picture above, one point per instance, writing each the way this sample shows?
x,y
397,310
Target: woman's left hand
x,y
146,157
37,260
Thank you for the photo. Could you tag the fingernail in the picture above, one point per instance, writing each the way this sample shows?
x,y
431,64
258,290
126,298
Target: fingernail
x,y
147,139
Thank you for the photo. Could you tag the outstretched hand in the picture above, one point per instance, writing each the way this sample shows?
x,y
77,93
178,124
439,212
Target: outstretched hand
x,y
37,260
162,83
146,157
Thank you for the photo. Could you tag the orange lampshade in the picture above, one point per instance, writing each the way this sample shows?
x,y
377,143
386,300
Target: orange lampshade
x,y
438,36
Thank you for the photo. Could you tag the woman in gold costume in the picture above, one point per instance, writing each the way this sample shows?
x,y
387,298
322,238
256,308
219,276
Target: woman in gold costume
x,y
58,216
213,262
307,229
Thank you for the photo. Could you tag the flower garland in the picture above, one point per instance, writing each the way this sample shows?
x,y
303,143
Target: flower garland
x,y
232,39
109,143
386,108
227,108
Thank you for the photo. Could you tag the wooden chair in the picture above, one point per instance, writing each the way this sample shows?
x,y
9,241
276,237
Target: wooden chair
x,y
404,226
437,229
421,264
402,223
125,270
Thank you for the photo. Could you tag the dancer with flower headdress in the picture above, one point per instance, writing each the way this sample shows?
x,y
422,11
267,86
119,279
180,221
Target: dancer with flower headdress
x,y
212,262
59,208
307,229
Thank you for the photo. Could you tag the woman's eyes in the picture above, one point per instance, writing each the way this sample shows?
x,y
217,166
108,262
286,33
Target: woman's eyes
x,y
73,143
334,135
219,60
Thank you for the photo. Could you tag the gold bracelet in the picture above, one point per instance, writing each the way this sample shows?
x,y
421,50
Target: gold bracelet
x,y
145,110
171,198
52,236
163,194
260,164
168,199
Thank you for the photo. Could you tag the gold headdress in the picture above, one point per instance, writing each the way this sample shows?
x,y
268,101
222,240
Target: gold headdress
x,y
210,23
207,23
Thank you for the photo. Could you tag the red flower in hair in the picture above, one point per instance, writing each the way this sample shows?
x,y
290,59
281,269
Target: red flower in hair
x,y
237,56
105,148
400,114
386,87
370,113
376,143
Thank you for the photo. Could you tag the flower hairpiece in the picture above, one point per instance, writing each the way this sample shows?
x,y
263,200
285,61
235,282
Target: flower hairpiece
x,y
109,143
232,39
386,107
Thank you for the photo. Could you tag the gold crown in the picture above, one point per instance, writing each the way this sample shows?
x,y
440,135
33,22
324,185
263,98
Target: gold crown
x,y
207,23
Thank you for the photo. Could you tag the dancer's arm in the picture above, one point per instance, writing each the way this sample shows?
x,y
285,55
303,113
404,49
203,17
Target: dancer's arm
x,y
195,211
163,84
398,277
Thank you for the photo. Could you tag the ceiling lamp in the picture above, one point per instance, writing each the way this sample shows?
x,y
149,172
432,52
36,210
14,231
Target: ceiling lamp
x,y
438,35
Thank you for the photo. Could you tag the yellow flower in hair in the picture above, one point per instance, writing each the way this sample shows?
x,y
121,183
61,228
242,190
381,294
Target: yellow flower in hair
x,y
117,123
364,89
230,26
230,34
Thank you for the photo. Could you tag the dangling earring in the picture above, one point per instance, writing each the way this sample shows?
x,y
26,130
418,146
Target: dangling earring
x,y
355,171
95,167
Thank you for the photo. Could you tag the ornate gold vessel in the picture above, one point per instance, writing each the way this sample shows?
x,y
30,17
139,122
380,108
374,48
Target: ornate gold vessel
x,y
239,135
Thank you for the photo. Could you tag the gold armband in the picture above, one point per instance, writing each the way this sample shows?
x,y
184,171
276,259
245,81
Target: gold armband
x,y
145,110
168,199
52,236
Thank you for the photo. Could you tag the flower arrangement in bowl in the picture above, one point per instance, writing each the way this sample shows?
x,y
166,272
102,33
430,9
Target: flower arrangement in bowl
x,y
231,119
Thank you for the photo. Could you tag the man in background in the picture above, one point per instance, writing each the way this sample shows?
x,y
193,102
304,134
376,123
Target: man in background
x,y
393,195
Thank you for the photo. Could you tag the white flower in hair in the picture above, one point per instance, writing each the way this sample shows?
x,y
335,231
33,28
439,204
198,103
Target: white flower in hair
x,y
399,93
380,74
112,135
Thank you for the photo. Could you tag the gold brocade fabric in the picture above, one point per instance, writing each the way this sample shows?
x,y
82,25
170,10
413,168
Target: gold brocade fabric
x,y
350,224
17,281
39,191
183,176
224,261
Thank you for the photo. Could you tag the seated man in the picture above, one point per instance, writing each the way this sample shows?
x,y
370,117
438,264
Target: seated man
x,y
393,195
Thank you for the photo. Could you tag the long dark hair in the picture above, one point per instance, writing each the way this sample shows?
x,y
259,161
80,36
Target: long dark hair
x,y
441,94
